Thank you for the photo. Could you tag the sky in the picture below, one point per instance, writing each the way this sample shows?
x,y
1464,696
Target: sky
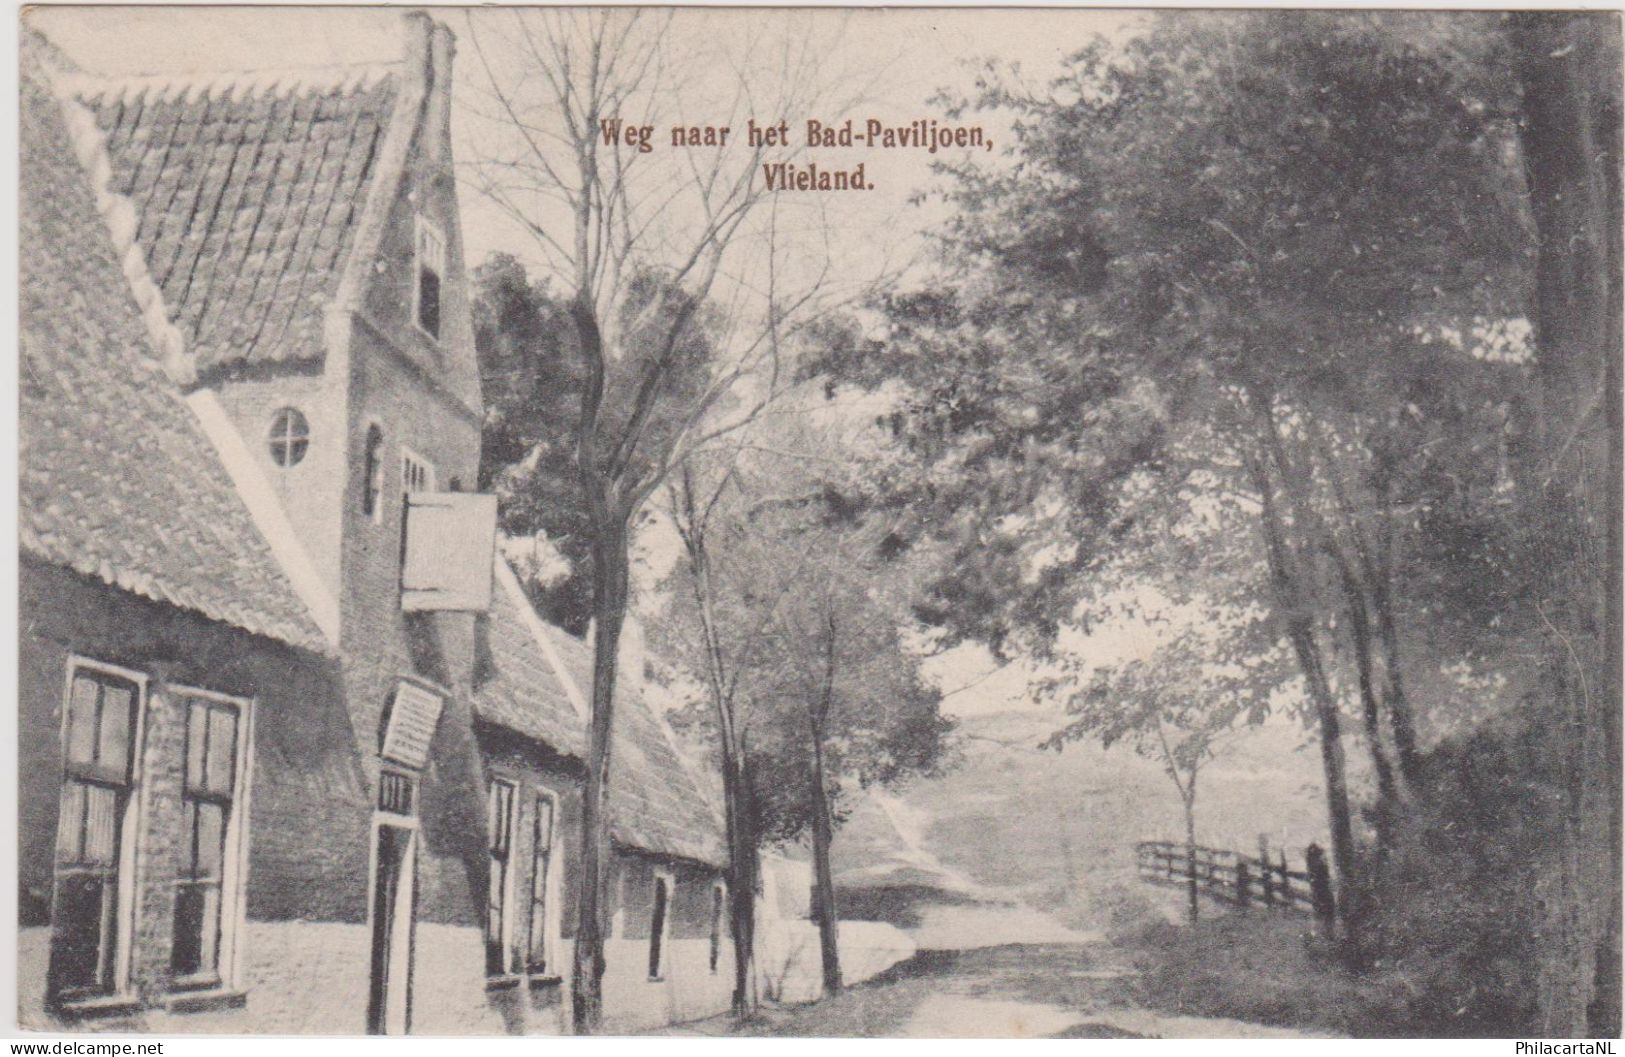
x,y
893,61
885,64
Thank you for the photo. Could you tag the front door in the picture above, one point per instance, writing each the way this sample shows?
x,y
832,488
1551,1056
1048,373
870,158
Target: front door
x,y
388,1009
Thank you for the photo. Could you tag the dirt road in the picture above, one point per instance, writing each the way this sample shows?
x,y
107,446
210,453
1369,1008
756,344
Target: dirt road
x,y
1018,990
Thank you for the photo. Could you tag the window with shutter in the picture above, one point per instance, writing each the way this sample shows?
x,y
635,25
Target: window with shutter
x,y
202,902
99,746
536,959
499,830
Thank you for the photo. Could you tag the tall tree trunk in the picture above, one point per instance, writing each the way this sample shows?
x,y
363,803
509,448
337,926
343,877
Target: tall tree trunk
x,y
738,792
1295,609
1191,891
610,576
823,836
822,826
744,874
1569,68
1370,710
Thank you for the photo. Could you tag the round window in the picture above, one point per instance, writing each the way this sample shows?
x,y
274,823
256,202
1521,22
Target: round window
x,y
290,436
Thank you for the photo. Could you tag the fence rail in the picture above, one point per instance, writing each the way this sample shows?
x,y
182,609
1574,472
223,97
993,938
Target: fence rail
x,y
1230,878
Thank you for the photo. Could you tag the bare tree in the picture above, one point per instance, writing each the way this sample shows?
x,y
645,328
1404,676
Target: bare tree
x,y
683,276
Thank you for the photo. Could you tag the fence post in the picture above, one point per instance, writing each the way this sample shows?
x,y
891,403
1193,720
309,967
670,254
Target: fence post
x,y
1264,866
1190,873
1242,881
1320,890
1286,882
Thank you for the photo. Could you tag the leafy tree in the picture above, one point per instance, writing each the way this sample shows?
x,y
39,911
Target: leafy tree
x,y
1215,663
794,604
1243,227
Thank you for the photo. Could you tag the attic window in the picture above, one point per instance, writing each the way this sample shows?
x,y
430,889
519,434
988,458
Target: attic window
x,y
290,437
430,266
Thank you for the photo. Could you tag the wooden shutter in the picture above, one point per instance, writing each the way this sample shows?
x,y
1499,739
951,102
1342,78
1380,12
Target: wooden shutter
x,y
450,540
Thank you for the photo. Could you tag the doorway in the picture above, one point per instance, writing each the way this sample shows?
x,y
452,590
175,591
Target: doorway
x,y
389,997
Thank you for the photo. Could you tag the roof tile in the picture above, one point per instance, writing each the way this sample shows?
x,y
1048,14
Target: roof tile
x,y
117,480
248,193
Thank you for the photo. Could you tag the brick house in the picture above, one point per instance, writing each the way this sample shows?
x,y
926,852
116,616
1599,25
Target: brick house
x,y
340,789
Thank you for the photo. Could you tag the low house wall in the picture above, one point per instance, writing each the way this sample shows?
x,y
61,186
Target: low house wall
x,y
790,960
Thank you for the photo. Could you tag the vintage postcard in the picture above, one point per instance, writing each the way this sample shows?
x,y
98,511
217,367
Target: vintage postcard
x,y
935,523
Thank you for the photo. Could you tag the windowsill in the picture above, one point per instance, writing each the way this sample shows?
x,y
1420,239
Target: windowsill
x,y
204,1001
98,1006
505,982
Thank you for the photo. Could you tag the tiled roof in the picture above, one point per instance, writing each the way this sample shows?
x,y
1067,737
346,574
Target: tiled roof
x,y
247,192
117,481
515,685
655,802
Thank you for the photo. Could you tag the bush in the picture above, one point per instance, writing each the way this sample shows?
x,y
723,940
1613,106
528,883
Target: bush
x,y
1455,912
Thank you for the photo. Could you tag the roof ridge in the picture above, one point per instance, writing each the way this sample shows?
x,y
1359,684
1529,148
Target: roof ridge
x,y
282,81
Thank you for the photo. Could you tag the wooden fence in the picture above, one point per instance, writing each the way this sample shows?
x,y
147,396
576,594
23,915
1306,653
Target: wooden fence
x,y
1233,879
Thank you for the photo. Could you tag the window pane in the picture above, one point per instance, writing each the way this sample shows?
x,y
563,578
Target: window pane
x,y
76,956
101,825
500,816
70,826
196,946
115,732
544,824
288,437
197,743
222,751
211,929
657,927
82,721
429,301
186,955
211,834
537,947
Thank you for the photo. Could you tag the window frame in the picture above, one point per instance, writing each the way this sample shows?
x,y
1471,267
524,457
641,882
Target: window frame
x,y
499,933
234,843
374,475
409,459
719,915
661,915
287,437
543,884
131,815
422,225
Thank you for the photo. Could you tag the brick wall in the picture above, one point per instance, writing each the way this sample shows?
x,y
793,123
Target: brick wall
x,y
306,811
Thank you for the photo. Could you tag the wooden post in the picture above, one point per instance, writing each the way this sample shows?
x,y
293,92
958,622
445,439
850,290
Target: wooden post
x,y
1286,881
1320,891
1242,881
1264,866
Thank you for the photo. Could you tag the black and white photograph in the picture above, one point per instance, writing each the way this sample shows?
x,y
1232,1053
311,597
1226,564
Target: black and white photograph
x,y
1088,523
